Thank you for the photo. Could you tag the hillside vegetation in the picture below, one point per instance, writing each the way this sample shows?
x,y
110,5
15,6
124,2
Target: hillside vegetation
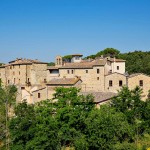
x,y
74,123
136,62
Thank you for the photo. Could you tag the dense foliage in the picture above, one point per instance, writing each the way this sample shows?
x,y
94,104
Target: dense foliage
x,y
67,58
73,121
136,62
7,101
51,64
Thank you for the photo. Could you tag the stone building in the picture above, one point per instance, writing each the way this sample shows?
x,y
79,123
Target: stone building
x,y
26,74
102,76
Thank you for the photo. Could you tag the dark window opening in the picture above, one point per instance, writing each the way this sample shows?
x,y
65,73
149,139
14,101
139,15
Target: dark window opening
x,y
97,78
97,71
45,81
110,83
86,71
39,95
22,88
68,71
72,71
120,82
117,67
141,83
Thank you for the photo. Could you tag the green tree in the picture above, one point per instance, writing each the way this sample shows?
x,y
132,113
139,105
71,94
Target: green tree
x,y
72,110
106,128
46,128
34,127
51,64
7,101
137,61
67,58
109,52
130,103
22,126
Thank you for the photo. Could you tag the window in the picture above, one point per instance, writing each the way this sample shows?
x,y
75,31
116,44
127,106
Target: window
x,y
141,83
8,81
14,80
28,80
59,61
45,81
68,71
97,78
22,88
72,71
39,95
97,71
110,83
120,82
77,58
19,72
117,67
10,67
86,71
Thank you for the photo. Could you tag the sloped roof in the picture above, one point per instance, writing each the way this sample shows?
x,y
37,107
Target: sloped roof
x,y
117,60
115,73
51,67
136,74
83,64
38,89
63,81
76,55
25,61
100,97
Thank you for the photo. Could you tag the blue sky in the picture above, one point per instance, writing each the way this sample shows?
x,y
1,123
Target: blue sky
x,y
42,29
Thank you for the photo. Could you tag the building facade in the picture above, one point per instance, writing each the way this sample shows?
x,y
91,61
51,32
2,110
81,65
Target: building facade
x,y
36,81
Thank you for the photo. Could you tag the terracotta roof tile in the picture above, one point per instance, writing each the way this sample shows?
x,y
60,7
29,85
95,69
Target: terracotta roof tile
x,y
63,81
25,61
83,64
52,67
100,96
136,74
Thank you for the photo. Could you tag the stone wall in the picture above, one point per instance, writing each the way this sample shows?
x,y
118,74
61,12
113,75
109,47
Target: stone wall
x,y
38,73
134,81
91,80
115,78
118,67
2,75
40,94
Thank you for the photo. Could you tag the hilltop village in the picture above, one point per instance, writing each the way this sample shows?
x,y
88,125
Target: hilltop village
x,y
102,77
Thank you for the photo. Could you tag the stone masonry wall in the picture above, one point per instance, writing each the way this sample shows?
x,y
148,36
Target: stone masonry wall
x,y
134,81
115,78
